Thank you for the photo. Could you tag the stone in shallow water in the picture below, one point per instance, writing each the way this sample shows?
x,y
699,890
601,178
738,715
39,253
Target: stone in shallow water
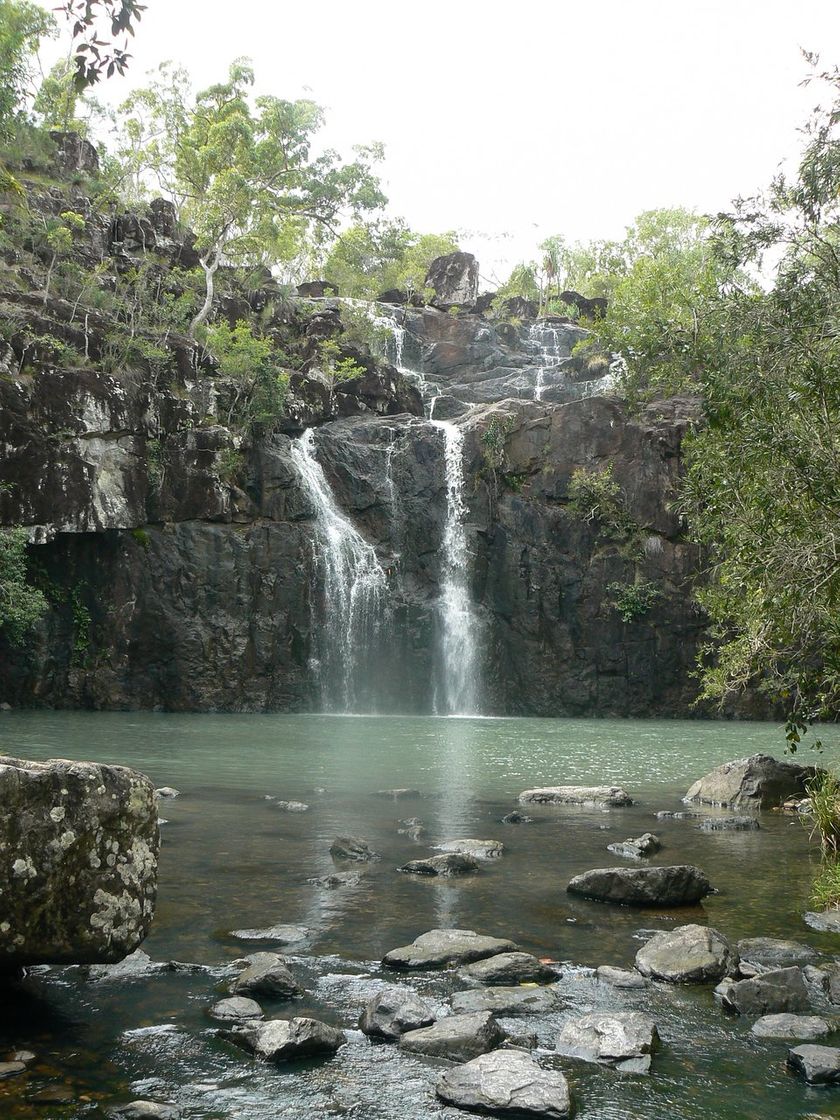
x,y
135,966
516,817
506,1082
442,948
729,824
766,953
791,1026
759,781
292,806
477,849
597,796
340,879
10,1069
393,1012
508,968
282,934
446,865
282,1040
457,1037
237,1007
507,1000
167,792
826,921
146,1110
679,885
620,977
267,974
818,1065
826,977
626,1039
769,993
690,954
636,848
353,849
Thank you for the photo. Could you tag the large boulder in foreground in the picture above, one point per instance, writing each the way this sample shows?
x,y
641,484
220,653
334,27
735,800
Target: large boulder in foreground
x,y
687,955
679,885
78,861
504,1083
600,797
757,782
441,948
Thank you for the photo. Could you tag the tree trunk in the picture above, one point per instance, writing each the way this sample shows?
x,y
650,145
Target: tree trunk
x,y
209,272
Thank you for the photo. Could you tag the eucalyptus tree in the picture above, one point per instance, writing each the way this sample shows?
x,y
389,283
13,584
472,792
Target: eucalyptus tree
x,y
370,257
22,27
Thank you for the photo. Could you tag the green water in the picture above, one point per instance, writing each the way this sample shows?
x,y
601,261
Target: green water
x,y
230,859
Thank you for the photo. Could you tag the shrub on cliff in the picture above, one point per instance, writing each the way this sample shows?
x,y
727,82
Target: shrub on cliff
x,y
21,605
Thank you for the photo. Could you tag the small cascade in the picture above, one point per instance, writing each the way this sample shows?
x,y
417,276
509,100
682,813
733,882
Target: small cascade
x,y
550,349
457,690
354,589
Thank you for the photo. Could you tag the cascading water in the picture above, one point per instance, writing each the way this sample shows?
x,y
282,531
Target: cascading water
x,y
457,690
550,348
354,590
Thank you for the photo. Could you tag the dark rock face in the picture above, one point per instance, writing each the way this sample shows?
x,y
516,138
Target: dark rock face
x,y
454,279
758,782
317,289
75,153
588,308
79,878
680,885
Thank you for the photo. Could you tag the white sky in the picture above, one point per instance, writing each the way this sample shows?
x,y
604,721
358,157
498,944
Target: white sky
x,y
513,122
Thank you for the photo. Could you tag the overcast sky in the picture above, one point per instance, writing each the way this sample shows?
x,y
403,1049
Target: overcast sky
x,y
512,122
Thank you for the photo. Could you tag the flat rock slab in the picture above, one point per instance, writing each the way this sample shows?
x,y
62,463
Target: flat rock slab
x,y
818,1065
758,782
791,1026
508,1001
769,993
678,885
506,1082
826,921
447,866
690,954
457,1038
266,975
610,797
508,968
353,850
729,824
394,1011
79,881
626,1039
281,934
442,948
477,849
620,977
282,1040
767,953
237,1007
639,847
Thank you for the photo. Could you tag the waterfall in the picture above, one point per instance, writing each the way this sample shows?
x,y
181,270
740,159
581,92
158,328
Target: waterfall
x,y
550,348
354,590
458,671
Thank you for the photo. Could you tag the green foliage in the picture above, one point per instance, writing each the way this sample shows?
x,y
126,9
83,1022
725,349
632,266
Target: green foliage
x,y
141,537
229,464
347,369
522,283
155,465
595,496
81,624
253,364
825,889
824,818
368,259
91,21
633,600
22,26
493,440
21,604
123,350
359,329
57,99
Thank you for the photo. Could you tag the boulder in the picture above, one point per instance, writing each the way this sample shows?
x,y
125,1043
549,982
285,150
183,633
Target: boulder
x,y
74,153
317,289
599,796
236,1007
637,848
352,849
620,977
509,968
506,1082
690,954
394,1011
818,1065
763,954
679,885
625,1039
729,824
167,793
284,1040
146,1110
826,978
458,1038
594,308
266,975
79,876
667,815
280,934
791,1026
164,217
507,1001
770,993
454,279
476,849
340,879
516,817
442,948
445,865
757,782
11,1069
825,921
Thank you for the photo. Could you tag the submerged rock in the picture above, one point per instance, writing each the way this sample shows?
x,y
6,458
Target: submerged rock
x,y
393,1012
825,921
762,954
690,954
620,977
457,1038
446,865
339,879
442,948
770,993
516,817
679,885
508,1001
280,934
477,849
637,848
292,806
136,965
729,824
283,1040
598,796
506,1082
509,968
79,881
353,849
818,1065
267,974
625,1039
146,1110
759,782
791,1026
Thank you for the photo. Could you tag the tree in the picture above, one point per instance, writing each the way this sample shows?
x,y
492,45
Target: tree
x,y
57,99
370,258
21,605
243,173
95,56
22,26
